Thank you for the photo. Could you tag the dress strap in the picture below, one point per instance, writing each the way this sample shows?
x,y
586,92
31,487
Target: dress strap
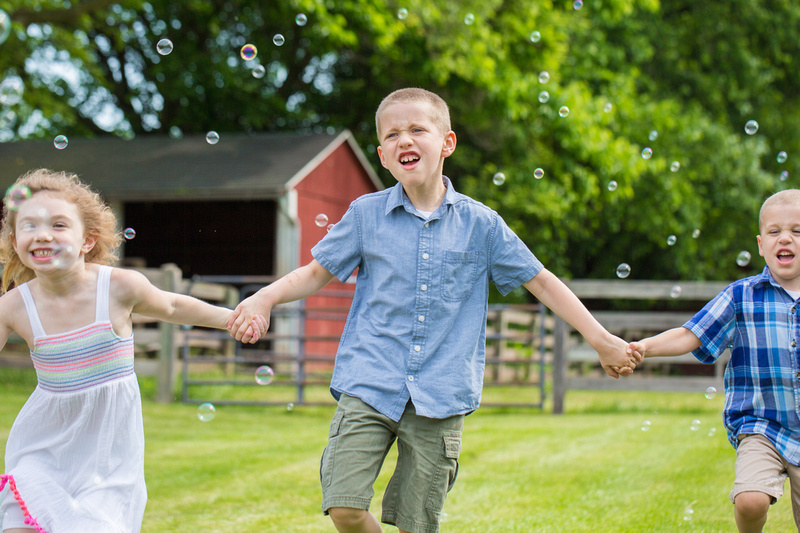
x,y
30,307
102,297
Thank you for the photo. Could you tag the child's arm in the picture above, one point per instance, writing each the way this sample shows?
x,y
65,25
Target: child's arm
x,y
295,285
676,341
553,293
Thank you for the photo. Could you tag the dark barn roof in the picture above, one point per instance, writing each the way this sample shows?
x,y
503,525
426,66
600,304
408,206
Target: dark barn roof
x,y
161,168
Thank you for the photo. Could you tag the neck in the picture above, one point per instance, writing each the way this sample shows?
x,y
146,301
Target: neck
x,y
427,198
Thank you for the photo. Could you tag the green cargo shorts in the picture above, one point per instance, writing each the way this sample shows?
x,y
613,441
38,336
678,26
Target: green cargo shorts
x,y
427,463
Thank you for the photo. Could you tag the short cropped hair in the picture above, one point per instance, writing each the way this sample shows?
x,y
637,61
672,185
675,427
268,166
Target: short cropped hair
x,y
785,197
440,113
98,221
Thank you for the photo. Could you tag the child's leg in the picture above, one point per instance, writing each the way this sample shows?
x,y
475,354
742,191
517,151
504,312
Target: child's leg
x,y
794,484
760,475
427,465
358,441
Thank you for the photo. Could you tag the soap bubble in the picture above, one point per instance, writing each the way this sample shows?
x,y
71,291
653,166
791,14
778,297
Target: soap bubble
x,y
330,227
612,185
784,175
290,406
646,425
623,270
653,135
563,112
469,18
711,392
5,26
212,137
544,76
206,412
695,233
538,173
671,240
536,36
264,375
11,90
782,157
499,178
688,514
743,259
60,142
712,432
675,292
577,4
751,127
259,71
175,132
278,39
544,96
321,220
129,233
402,13
675,166
695,425
647,153
164,47
608,107
248,52
301,19
15,195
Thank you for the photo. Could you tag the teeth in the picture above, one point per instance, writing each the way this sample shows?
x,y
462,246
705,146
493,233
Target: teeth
x,y
44,253
408,158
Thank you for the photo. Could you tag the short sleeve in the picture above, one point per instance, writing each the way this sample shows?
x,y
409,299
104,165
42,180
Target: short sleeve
x,y
511,261
339,252
714,325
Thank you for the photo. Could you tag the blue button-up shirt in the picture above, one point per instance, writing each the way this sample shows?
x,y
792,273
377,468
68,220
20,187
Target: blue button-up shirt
x,y
417,325
762,380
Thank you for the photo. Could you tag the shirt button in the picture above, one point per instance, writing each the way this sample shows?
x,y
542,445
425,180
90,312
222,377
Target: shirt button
x,y
427,224
798,375
410,378
417,348
794,308
794,343
421,318
424,287
425,256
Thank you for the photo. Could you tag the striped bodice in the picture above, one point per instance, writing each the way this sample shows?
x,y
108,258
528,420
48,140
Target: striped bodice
x,y
82,358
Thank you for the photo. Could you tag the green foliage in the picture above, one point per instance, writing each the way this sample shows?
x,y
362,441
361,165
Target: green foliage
x,y
660,66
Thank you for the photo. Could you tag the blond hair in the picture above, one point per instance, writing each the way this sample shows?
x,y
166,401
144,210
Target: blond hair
x,y
440,113
98,221
785,197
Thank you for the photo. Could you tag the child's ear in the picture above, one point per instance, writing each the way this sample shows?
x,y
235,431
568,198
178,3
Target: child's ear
x,y
380,155
88,244
760,250
449,145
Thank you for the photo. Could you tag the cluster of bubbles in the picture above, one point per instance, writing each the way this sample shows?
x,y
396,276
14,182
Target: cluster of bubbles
x,y
5,26
15,195
264,375
60,142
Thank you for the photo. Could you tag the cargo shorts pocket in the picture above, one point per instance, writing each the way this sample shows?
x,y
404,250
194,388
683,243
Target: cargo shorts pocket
x,y
446,471
326,462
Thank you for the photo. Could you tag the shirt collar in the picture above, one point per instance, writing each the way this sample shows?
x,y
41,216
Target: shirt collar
x,y
766,278
397,196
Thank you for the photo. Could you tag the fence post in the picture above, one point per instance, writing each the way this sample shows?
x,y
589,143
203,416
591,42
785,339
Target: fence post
x,y
167,354
559,365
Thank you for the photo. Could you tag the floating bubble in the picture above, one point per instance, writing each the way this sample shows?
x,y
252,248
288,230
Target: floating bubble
x,y
248,52
608,107
164,47
688,514
612,185
264,375
15,195
711,392
577,4
330,227
544,76
782,157
7,119
5,26
646,425
212,137
535,36
60,142
499,178
751,127
129,233
647,153
321,220
784,175
695,425
11,90
675,292
175,132
206,412
563,111
538,173
301,19
259,71
695,233
469,18
290,406
63,257
711,431
402,13
743,259
675,166
623,270
653,135
278,39
544,96
671,240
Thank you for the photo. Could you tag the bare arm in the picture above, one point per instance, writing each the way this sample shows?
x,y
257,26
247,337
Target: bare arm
x,y
295,285
676,341
553,293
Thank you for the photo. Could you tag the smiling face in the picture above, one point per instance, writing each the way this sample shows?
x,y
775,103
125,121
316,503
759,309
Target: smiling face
x,y
49,234
779,242
413,147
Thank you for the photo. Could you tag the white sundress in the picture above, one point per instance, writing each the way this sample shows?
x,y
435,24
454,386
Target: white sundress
x,y
76,448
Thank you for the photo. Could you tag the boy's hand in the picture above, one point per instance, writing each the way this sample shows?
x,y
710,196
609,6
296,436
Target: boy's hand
x,y
615,358
245,323
636,349
256,330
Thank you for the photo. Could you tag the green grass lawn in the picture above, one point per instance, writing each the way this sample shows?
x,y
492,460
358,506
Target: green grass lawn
x,y
591,470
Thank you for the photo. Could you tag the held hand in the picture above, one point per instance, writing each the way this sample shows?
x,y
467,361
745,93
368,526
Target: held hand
x,y
615,359
244,317
637,350
256,330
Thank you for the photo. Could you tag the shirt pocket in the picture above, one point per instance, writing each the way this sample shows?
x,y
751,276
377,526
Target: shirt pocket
x,y
459,272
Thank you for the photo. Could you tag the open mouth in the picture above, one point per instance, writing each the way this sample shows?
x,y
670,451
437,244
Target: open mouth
x,y
44,254
409,160
785,257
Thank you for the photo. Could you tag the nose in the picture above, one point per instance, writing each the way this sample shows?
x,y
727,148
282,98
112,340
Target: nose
x,y
43,234
785,236
405,139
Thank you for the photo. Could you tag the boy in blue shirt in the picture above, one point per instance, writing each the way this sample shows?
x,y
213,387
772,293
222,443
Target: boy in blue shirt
x,y
411,357
759,318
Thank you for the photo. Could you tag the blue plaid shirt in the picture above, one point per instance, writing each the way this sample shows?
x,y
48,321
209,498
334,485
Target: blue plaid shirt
x,y
417,325
762,380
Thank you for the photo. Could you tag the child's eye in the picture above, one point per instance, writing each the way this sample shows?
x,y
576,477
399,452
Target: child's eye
x,y
27,226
